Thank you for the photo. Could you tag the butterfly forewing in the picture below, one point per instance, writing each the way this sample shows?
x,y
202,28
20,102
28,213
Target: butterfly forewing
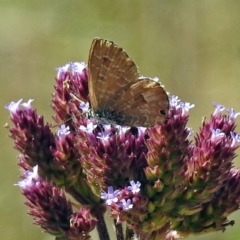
x,y
115,87
110,69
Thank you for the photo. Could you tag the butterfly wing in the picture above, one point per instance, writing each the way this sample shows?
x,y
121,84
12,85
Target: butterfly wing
x,y
110,69
145,103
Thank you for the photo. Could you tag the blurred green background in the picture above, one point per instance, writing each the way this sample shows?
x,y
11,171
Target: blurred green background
x,y
192,46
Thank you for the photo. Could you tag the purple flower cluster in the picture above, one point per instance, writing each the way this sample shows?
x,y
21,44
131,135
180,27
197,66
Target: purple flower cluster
x,y
156,180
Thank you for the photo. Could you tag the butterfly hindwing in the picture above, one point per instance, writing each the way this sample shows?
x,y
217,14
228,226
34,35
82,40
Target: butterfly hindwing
x,y
144,103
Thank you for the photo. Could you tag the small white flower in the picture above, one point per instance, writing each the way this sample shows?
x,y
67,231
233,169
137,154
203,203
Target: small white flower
x,y
13,106
30,178
63,131
84,106
232,114
77,67
63,69
104,136
122,129
218,108
217,134
235,139
141,130
27,104
135,187
90,127
174,100
185,107
190,132
111,196
126,205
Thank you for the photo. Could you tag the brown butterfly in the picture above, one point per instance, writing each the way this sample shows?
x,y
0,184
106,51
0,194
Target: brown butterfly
x,y
117,92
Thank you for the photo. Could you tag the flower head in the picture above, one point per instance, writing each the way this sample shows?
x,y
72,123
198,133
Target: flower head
x,y
174,181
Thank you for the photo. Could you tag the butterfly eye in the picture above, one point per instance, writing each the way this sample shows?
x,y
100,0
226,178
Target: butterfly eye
x,y
163,112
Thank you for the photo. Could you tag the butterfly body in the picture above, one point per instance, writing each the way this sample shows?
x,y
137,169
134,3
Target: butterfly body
x,y
107,116
117,92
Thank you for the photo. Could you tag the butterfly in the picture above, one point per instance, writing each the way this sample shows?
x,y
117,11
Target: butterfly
x,y
117,92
